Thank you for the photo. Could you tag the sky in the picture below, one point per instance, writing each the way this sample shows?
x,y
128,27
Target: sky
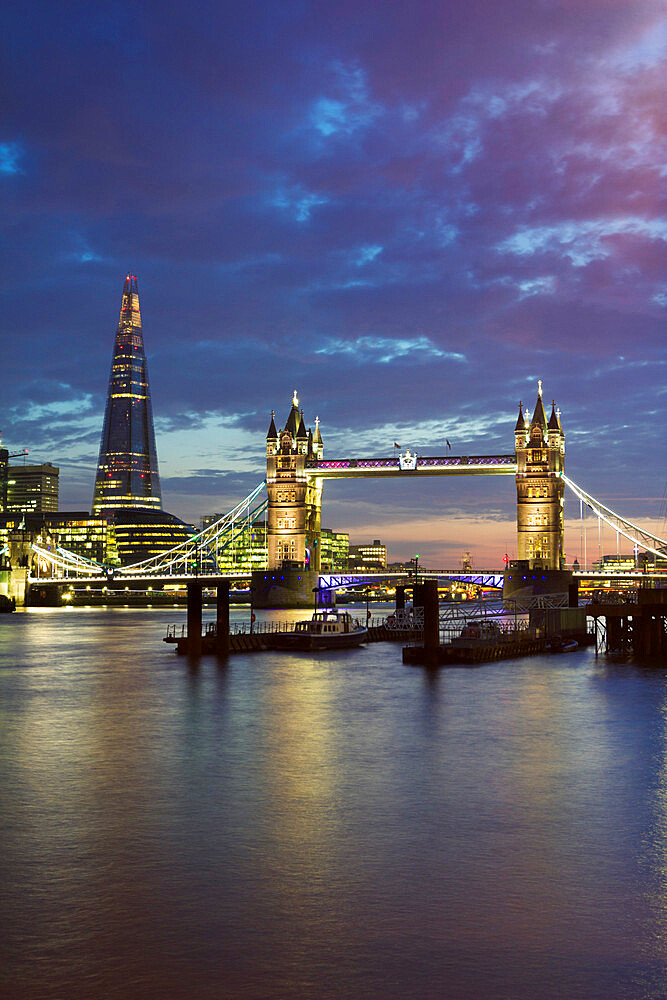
x,y
409,212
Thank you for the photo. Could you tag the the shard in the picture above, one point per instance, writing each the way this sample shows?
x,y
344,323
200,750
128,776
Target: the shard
x,y
127,469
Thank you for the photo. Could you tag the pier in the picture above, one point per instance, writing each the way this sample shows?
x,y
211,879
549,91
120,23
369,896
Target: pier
x,y
252,637
632,625
494,630
475,632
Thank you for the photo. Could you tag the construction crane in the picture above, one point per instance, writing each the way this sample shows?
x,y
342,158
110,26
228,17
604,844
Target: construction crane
x,y
15,454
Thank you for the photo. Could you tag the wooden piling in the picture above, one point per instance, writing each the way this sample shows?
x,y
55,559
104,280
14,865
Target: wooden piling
x,y
222,618
194,618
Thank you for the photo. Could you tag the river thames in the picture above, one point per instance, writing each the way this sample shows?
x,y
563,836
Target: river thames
x,y
292,826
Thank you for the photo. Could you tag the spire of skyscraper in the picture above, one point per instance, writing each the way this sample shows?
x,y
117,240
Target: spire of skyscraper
x,y
127,470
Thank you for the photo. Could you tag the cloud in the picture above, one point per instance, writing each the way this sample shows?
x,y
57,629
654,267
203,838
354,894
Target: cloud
x,y
581,242
11,153
366,254
350,109
382,350
298,203
647,50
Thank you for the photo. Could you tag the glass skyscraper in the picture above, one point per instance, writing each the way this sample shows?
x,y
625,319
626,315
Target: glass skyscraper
x,y
127,470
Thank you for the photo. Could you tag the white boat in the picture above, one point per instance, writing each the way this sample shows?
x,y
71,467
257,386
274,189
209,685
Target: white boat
x,y
327,629
479,633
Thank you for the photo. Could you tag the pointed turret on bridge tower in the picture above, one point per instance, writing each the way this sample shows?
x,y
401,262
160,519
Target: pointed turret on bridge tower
x,y
295,499
540,456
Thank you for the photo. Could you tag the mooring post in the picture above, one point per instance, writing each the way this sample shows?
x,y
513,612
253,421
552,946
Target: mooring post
x,y
429,599
573,594
194,618
222,618
417,595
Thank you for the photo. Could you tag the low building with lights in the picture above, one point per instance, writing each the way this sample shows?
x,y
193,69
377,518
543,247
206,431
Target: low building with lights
x,y
366,556
77,531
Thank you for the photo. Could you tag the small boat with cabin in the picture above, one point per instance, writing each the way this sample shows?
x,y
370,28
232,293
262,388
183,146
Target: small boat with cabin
x,y
327,629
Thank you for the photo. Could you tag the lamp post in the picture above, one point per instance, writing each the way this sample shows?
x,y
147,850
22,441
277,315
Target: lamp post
x,y
416,569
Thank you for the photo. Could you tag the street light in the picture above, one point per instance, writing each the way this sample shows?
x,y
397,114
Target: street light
x,y
416,569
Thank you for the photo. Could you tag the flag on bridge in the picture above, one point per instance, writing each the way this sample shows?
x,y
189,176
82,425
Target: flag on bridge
x,y
448,444
396,445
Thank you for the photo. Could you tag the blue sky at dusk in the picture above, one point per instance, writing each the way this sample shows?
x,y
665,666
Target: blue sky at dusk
x,y
409,212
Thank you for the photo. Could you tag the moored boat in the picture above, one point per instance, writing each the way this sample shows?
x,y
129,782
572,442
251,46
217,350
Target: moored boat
x,y
479,633
557,644
328,629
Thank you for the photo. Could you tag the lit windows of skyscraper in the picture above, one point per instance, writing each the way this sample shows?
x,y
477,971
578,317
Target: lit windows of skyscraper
x,y
127,469
32,488
4,462
127,485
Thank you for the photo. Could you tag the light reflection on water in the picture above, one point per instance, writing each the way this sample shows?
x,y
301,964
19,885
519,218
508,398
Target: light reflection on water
x,y
339,826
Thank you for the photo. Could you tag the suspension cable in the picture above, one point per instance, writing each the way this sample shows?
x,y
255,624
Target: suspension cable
x,y
626,528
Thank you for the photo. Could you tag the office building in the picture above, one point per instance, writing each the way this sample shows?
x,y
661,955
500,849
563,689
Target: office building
x,y
127,484
127,469
77,531
32,489
335,550
4,463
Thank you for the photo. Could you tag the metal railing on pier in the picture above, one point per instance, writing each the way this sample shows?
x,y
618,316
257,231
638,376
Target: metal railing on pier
x,y
397,621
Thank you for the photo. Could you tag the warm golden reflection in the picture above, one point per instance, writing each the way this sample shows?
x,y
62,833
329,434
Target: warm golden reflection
x,y
302,762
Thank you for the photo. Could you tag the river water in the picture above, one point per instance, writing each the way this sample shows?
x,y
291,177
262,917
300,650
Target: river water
x,y
287,826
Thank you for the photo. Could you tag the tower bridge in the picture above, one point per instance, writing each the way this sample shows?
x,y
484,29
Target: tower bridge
x,y
296,471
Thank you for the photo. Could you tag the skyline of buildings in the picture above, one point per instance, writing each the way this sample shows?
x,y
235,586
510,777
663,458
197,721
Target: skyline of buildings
x,y
140,530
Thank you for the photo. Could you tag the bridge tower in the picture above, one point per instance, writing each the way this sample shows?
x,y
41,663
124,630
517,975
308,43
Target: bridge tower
x,y
540,457
295,500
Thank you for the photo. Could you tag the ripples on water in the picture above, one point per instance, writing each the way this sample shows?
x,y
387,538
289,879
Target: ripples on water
x,y
339,826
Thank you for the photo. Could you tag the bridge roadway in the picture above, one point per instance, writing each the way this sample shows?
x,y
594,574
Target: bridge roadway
x,y
333,581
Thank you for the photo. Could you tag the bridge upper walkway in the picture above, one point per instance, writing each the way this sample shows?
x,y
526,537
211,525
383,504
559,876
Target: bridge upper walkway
x,y
415,465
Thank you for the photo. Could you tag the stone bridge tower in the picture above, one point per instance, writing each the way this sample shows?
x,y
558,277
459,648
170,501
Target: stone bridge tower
x,y
540,457
295,498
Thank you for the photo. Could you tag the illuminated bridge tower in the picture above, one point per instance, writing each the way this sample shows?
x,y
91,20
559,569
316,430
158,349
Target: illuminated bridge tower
x,y
540,457
295,499
127,469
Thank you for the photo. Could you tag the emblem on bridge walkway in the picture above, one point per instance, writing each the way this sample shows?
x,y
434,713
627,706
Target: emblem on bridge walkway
x,y
407,462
